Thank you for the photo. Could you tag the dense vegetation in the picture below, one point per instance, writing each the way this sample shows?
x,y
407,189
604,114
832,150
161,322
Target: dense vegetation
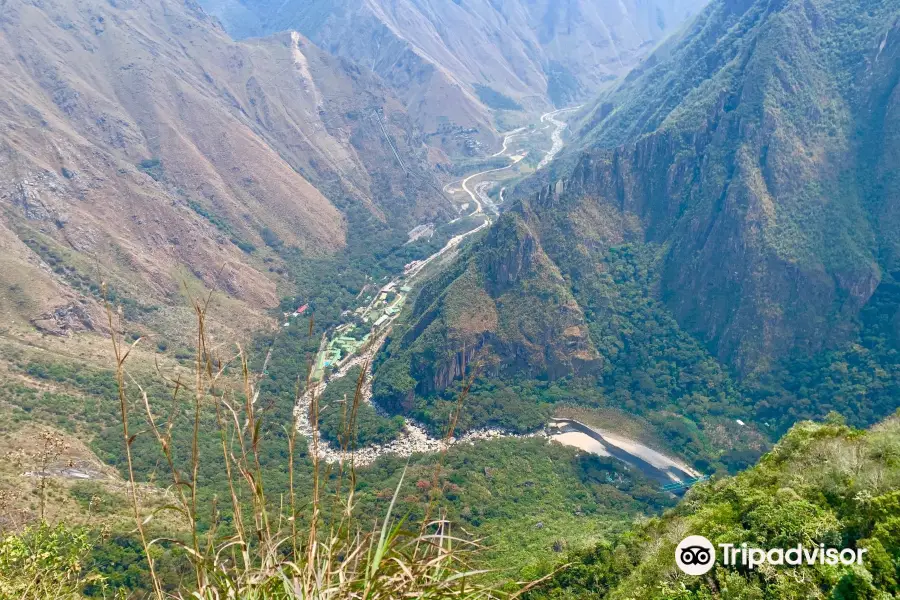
x,y
827,483
353,425
651,367
494,489
654,369
860,380
722,273
696,270
488,486
529,500
255,548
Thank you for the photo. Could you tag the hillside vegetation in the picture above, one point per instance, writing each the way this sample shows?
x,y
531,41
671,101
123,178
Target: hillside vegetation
x,y
823,483
711,269
756,147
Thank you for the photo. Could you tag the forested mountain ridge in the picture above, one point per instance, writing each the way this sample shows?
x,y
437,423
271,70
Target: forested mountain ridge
x,y
454,62
822,484
717,242
755,147
140,137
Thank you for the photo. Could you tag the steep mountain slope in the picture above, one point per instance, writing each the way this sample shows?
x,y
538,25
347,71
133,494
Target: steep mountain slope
x,y
452,62
719,241
821,484
141,146
755,150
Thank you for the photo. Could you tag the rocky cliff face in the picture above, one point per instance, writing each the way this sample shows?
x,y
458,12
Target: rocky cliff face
x,y
755,178
503,310
736,191
725,278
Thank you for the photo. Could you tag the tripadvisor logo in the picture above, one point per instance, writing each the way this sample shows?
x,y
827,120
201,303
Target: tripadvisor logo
x,y
696,555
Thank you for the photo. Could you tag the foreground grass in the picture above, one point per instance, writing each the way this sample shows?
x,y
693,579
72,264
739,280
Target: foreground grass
x,y
246,545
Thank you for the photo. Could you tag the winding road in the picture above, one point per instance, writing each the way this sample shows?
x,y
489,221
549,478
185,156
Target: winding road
x,y
479,194
506,138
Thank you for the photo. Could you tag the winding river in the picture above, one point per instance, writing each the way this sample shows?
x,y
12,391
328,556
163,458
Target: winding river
x,y
557,135
414,438
601,442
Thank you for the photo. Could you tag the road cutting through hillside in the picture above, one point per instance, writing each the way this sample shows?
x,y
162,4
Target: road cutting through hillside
x,y
506,139
479,195
503,150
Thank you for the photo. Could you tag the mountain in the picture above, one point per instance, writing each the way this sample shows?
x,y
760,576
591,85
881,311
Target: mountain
x,y
757,148
453,63
718,241
822,484
142,147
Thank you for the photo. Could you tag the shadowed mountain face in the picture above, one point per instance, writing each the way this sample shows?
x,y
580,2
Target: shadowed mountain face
x,y
728,207
756,149
140,145
452,62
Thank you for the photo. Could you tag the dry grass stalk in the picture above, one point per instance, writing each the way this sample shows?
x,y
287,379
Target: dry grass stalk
x,y
275,553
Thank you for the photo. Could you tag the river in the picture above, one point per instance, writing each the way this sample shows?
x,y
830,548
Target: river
x,y
414,438
601,442
556,136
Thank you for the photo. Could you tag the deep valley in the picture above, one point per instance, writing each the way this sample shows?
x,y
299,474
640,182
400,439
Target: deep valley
x,y
447,299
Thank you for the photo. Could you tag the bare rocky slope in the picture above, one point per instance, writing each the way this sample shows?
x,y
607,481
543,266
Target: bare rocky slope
x,y
142,147
452,62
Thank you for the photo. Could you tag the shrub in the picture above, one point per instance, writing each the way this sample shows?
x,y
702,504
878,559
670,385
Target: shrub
x,y
43,562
